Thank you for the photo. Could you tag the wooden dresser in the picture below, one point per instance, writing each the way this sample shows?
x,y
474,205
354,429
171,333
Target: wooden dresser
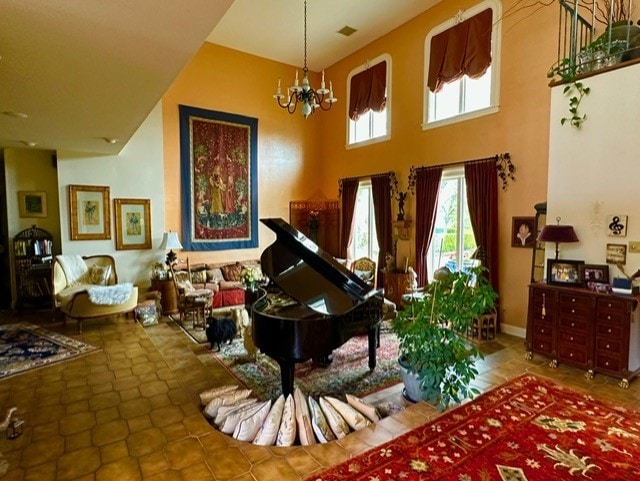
x,y
592,331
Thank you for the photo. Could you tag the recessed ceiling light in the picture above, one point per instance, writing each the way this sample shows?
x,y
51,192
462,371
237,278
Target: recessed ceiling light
x,y
109,140
20,115
347,31
29,143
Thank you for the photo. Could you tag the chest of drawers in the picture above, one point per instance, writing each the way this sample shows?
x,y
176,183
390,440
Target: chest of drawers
x,y
592,331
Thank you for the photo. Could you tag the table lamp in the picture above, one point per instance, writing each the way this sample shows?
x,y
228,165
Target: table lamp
x,y
170,241
557,233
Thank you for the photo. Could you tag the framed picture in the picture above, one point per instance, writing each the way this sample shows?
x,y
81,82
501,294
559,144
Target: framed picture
x,y
32,204
133,223
89,217
564,272
616,254
594,273
523,232
617,225
219,165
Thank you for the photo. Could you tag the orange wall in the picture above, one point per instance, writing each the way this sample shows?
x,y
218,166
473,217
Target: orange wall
x,y
226,80
521,127
301,158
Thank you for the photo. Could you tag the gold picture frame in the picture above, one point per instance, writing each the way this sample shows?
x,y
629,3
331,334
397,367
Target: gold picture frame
x,y
133,223
89,217
32,203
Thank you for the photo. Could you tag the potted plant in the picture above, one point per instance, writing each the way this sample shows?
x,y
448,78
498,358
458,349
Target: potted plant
x,y
437,360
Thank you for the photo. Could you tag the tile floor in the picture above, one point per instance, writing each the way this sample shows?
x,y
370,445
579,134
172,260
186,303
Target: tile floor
x,y
131,412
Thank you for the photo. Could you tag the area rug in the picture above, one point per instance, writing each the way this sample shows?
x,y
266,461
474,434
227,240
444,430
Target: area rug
x,y
529,429
25,346
349,371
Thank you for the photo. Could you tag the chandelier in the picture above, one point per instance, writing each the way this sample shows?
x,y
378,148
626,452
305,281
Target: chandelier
x,y
309,98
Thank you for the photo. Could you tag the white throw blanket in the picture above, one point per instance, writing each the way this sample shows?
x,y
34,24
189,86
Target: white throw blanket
x,y
74,267
110,295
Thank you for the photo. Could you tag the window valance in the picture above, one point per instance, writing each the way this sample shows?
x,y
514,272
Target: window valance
x,y
368,91
464,49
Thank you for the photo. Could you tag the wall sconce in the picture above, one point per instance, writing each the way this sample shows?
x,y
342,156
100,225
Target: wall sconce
x,y
557,233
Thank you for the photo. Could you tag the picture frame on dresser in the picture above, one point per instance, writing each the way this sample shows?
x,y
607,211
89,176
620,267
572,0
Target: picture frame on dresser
x,y
597,273
563,272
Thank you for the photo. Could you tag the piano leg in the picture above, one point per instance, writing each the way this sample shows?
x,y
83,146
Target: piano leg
x,y
287,372
373,344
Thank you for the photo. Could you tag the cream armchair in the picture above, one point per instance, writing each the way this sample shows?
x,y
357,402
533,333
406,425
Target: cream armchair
x,y
74,275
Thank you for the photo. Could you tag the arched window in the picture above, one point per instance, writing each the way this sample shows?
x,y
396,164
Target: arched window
x,y
462,66
369,105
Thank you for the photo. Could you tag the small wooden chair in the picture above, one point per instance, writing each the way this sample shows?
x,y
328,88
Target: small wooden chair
x,y
191,301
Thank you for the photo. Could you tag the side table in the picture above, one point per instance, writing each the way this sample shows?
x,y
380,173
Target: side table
x,y
169,299
395,285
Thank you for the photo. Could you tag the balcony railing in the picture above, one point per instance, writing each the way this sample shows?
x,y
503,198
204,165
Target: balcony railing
x,y
593,36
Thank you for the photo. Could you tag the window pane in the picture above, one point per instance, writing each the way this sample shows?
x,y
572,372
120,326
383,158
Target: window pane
x,y
478,92
379,123
365,241
446,103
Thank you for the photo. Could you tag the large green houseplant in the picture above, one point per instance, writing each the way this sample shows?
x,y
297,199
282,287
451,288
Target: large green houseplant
x,y
432,330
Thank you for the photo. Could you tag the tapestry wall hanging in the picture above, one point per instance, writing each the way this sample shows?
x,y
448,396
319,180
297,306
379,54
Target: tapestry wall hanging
x,y
219,165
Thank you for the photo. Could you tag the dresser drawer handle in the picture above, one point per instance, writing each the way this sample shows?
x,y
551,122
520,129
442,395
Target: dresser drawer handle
x,y
573,311
541,331
573,299
606,363
571,338
609,331
609,305
571,355
608,318
573,324
608,346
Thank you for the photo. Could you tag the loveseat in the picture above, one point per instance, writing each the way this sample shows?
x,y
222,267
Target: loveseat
x,y
74,278
221,278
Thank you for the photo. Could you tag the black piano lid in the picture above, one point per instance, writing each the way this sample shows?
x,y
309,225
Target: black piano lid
x,y
310,275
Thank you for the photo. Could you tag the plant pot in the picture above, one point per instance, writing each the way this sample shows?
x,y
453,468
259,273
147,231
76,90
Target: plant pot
x,y
413,392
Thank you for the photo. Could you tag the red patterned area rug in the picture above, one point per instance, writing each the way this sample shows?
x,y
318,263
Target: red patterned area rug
x,y
528,429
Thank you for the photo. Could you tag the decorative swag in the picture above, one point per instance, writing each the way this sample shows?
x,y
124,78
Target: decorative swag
x,y
464,49
368,91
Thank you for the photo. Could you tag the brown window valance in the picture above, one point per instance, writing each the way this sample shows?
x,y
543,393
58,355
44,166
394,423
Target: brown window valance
x,y
464,49
368,91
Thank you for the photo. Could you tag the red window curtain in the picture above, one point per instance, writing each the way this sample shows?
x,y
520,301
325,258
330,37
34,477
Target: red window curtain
x,y
482,200
381,193
349,189
464,49
368,91
427,191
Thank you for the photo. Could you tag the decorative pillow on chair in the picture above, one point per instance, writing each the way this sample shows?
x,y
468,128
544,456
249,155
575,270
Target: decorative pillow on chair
x,y
183,282
199,277
214,275
99,275
232,272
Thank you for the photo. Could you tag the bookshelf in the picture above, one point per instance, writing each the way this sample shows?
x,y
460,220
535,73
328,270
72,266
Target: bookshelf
x,y
32,256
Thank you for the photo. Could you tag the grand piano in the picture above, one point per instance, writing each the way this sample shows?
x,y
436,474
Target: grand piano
x,y
312,305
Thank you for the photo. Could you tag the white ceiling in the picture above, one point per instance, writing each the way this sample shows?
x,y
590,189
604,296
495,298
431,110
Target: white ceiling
x,y
85,71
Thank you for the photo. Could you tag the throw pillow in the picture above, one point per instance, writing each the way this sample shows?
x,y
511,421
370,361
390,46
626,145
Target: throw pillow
x,y
229,425
269,430
248,427
287,432
319,422
305,432
225,411
355,419
227,399
183,282
209,394
367,409
231,272
199,277
215,275
337,423
99,275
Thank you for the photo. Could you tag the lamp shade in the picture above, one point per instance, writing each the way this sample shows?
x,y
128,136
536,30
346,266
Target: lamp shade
x,y
558,233
170,241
